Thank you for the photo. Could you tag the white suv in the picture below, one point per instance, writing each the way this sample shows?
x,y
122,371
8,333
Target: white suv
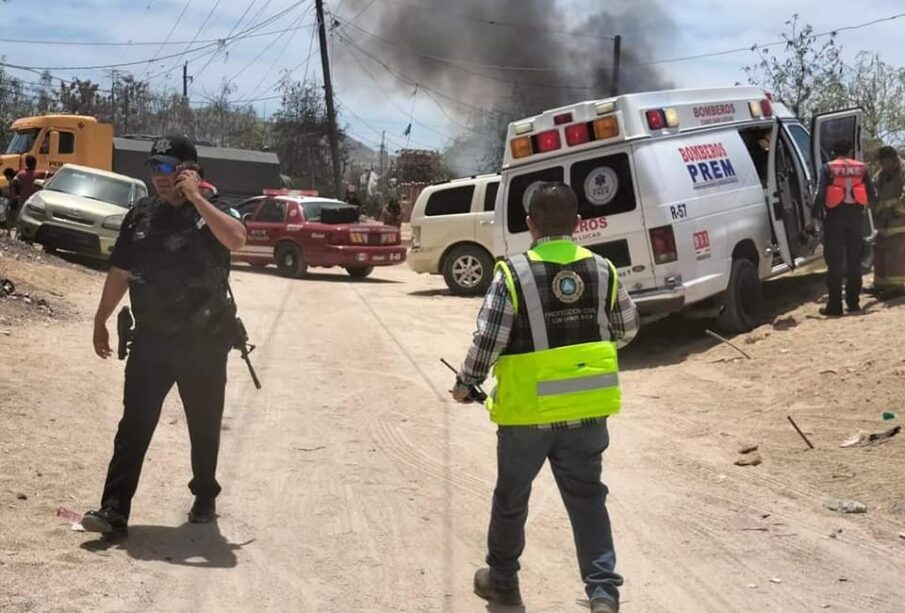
x,y
452,233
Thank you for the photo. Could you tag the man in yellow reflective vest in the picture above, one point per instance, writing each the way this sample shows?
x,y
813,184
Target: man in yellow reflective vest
x,y
889,218
550,324
843,194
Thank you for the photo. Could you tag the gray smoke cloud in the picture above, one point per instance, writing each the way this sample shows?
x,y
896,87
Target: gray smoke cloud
x,y
564,50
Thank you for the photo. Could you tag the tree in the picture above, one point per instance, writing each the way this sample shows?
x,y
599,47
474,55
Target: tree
x,y
300,135
879,89
807,78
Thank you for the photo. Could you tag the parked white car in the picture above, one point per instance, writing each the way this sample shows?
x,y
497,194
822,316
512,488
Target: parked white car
x,y
79,209
452,233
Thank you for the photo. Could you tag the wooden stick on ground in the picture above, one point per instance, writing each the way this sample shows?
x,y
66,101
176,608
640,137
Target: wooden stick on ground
x,y
798,430
723,340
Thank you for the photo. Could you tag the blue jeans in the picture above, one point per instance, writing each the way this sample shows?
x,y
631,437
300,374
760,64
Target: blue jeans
x,y
575,458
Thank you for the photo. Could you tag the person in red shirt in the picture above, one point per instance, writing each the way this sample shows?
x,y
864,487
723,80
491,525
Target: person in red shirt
x,y
24,183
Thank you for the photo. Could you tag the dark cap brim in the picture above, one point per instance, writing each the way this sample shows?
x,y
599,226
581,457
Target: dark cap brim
x,y
164,159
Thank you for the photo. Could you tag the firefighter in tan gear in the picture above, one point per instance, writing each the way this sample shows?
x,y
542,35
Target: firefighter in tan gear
x,y
889,218
844,192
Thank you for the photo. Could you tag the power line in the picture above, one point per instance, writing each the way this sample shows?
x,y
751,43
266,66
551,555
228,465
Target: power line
x,y
775,42
382,91
463,67
240,36
280,56
265,50
199,30
231,32
170,33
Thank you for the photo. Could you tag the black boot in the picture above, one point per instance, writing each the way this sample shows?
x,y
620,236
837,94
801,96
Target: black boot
x,y
203,511
107,521
488,589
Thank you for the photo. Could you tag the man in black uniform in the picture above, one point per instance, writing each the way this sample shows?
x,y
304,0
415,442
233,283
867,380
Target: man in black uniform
x,y
173,256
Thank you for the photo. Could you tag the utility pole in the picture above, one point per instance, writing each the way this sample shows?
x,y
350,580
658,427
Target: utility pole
x,y
383,151
328,95
186,79
617,60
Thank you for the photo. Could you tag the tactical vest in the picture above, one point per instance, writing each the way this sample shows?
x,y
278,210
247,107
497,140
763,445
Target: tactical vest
x,y
846,183
560,363
179,274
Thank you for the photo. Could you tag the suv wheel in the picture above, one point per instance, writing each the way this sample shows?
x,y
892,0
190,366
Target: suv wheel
x,y
468,270
290,262
743,300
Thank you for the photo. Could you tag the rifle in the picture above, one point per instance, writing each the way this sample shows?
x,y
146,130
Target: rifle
x,y
475,393
124,323
240,341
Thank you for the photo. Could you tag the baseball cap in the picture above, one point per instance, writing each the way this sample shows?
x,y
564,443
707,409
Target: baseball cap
x,y
173,149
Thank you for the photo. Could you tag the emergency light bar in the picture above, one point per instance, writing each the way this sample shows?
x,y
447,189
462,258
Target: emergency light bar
x,y
270,191
760,108
575,134
660,119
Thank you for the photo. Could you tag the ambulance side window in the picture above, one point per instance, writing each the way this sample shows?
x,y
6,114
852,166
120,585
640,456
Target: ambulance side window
x,y
604,186
803,140
521,188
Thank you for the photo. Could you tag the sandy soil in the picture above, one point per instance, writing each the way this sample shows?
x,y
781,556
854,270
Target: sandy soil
x,y
352,484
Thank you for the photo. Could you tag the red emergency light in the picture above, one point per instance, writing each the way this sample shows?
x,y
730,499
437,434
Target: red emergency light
x,y
767,107
656,119
577,134
548,141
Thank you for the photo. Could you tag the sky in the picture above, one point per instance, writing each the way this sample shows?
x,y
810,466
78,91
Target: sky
x,y
254,63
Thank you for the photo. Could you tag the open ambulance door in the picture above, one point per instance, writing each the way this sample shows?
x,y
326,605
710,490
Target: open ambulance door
x,y
774,202
826,129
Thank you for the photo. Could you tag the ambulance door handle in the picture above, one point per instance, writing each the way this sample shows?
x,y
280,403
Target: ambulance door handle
x,y
486,223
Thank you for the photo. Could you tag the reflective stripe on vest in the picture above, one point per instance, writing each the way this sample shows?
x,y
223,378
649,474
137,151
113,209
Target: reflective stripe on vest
x,y
846,183
556,385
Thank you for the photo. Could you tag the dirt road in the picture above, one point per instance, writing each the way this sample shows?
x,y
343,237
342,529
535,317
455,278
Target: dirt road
x,y
352,484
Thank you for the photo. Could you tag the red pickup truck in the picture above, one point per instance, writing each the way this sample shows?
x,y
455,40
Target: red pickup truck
x,y
297,232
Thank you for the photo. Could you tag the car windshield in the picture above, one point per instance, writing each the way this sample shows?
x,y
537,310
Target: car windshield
x,y
23,140
93,186
314,211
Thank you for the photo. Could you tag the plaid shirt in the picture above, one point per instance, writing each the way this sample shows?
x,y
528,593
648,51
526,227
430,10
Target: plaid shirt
x,y
495,325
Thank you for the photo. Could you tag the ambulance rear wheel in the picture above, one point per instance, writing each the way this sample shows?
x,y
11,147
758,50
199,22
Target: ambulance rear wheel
x,y
744,300
290,262
468,270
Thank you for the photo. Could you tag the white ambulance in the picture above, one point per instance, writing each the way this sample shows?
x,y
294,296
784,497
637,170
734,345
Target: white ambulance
x,y
695,195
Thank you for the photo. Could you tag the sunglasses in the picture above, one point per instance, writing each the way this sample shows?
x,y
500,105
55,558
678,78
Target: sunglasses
x,y
163,168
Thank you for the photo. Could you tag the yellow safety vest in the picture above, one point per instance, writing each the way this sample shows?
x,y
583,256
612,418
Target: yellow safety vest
x,y
567,383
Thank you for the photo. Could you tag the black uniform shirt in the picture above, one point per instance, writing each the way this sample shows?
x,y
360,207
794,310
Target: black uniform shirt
x,y
178,269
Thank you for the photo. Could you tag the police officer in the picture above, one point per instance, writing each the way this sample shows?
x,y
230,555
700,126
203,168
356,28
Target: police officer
x,y
172,255
843,193
550,323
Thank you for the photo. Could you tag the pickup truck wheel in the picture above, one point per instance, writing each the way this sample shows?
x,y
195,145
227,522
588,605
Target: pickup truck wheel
x,y
290,262
468,270
743,300
359,272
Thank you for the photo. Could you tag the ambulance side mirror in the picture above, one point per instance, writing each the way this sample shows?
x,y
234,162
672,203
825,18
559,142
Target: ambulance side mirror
x,y
246,217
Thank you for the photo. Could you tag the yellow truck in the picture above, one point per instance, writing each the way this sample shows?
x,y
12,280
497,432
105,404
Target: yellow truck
x,y
56,140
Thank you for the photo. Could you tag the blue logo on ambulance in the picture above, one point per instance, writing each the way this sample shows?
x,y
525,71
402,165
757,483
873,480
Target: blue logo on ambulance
x,y
708,165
